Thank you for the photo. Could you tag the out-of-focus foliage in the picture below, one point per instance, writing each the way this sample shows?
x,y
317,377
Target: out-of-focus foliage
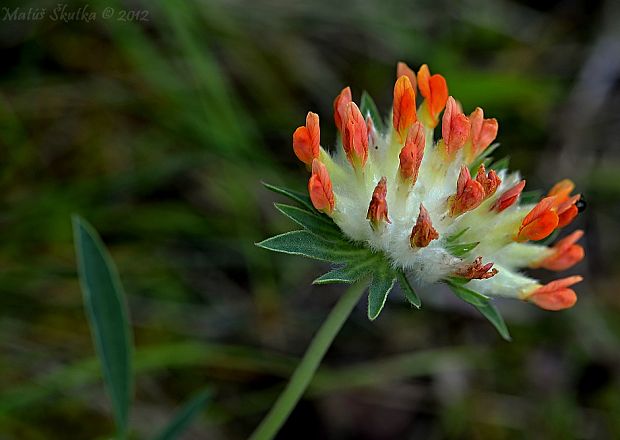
x,y
159,132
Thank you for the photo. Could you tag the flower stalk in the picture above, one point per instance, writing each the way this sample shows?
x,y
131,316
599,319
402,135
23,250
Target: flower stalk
x,y
306,369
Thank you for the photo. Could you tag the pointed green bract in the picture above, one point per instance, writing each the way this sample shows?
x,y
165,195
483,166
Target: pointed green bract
x,y
460,249
383,279
318,224
108,317
408,291
349,273
301,198
454,237
185,416
472,297
369,108
528,197
501,164
306,244
489,311
480,302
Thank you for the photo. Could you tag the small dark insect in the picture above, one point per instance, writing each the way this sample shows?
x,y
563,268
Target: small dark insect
x,y
581,204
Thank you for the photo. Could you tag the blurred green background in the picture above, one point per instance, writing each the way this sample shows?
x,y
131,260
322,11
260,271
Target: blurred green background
x,y
159,131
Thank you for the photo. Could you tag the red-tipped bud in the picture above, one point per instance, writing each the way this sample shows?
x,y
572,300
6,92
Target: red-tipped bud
x,y
566,253
378,209
555,295
404,112
355,136
469,194
509,197
403,69
423,232
483,132
455,128
306,139
412,153
434,89
539,222
489,181
320,188
476,270
340,105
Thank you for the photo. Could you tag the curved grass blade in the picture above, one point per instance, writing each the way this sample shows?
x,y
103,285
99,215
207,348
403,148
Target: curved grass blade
x,y
383,279
408,291
185,416
301,198
108,317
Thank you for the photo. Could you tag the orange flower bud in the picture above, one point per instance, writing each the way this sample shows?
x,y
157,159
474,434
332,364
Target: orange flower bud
x,y
564,202
435,91
565,254
483,132
509,197
455,128
403,69
412,153
340,105
404,112
489,181
378,210
477,270
555,295
320,188
423,232
539,222
306,139
469,194
355,136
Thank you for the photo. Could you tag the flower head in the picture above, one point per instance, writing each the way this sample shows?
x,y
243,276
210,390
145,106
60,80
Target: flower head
x,y
473,232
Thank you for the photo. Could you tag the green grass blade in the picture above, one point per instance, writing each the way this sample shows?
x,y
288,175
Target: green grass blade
x,y
185,416
489,311
108,317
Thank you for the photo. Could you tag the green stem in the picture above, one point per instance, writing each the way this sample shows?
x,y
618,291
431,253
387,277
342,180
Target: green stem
x,y
304,373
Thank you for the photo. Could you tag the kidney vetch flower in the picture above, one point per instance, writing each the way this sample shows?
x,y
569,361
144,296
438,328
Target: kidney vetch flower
x,y
393,203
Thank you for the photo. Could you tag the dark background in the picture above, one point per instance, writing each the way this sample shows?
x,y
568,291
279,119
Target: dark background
x,y
159,133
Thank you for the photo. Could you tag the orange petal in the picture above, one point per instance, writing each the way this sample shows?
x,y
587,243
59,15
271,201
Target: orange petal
x,y
539,222
411,155
509,197
555,295
567,216
378,210
320,188
340,105
355,136
455,127
434,89
423,232
565,253
469,194
306,139
483,132
404,111
562,189
477,270
403,69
